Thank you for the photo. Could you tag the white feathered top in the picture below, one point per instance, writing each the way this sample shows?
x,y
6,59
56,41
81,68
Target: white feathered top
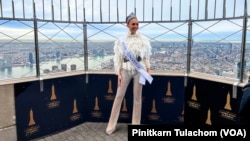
x,y
138,45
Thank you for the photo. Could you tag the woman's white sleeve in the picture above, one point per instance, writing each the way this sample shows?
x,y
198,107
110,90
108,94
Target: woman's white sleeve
x,y
117,57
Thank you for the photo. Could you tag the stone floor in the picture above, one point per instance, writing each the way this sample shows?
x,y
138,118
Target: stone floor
x,y
89,131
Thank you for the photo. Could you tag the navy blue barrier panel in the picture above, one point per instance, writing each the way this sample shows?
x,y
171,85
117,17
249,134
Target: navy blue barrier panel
x,y
208,102
101,90
62,104
162,101
176,132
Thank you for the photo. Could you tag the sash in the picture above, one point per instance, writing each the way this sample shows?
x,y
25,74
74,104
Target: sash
x,y
144,74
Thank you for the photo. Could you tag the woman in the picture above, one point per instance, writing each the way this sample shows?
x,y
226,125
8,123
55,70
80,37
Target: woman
x,y
244,110
140,48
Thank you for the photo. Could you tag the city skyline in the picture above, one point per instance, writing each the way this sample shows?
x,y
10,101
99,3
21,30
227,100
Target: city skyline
x,y
210,58
168,22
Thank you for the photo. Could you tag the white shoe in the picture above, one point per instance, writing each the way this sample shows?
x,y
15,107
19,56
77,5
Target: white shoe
x,y
109,132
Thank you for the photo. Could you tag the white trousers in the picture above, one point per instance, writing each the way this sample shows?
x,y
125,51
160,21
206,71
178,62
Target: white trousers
x,y
137,100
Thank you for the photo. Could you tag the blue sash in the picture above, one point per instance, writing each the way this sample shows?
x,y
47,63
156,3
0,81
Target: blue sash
x,y
144,74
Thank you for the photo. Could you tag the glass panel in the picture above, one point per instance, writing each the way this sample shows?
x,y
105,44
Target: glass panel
x,y
60,47
101,39
247,55
17,52
216,48
169,46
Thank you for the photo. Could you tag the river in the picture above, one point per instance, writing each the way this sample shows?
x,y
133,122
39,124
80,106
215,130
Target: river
x,y
94,63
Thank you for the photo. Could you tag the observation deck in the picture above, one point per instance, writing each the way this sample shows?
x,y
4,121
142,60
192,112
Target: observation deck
x,y
56,70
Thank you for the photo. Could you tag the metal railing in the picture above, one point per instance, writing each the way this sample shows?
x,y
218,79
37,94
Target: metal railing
x,y
108,11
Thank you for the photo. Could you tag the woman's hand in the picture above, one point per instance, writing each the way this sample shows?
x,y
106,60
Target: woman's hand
x,y
119,80
148,70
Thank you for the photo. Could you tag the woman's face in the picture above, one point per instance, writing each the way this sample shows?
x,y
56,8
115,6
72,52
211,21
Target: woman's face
x,y
133,25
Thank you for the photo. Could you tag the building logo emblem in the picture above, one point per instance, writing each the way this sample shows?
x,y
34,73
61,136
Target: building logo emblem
x,y
109,95
75,114
153,114
193,103
226,112
32,126
168,98
96,112
53,103
124,111
208,121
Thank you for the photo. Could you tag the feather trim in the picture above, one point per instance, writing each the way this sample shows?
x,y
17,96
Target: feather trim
x,y
139,45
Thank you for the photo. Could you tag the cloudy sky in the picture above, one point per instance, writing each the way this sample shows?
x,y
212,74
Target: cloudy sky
x,y
116,11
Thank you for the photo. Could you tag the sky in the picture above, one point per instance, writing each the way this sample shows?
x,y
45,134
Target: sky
x,y
108,11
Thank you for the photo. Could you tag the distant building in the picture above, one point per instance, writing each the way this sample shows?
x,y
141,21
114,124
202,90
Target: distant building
x,y
46,71
238,69
73,67
5,61
64,67
31,58
1,62
54,68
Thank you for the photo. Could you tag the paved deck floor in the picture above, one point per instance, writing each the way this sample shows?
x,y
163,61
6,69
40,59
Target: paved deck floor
x,y
89,131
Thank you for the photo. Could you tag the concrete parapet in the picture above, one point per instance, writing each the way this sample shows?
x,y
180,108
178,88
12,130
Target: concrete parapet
x,y
7,113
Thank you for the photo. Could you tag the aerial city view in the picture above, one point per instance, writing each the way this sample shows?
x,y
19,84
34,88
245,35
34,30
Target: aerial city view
x,y
18,59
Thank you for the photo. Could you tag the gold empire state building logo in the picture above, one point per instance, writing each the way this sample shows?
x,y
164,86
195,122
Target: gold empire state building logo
x,y
124,105
194,94
168,98
193,103
75,110
53,94
181,116
153,114
124,111
53,103
169,93
208,121
96,112
228,106
96,108
75,115
110,91
31,120
153,110
33,128
109,95
226,112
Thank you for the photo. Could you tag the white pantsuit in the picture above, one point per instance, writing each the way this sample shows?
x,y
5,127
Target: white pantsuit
x,y
138,46
137,91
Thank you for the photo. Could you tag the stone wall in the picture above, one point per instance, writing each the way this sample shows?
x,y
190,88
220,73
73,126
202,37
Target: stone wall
x,y
7,113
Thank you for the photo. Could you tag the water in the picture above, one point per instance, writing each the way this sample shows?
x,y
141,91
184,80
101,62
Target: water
x,y
94,63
